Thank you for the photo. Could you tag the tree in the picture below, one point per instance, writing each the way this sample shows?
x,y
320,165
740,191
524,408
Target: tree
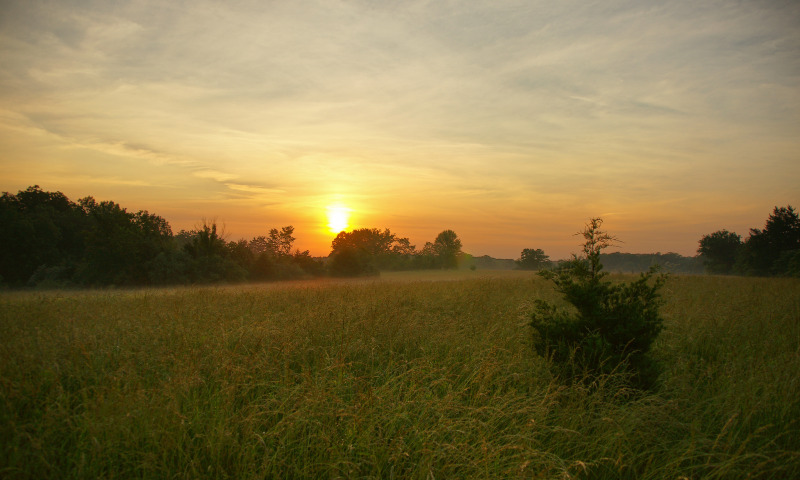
x,y
272,257
402,246
426,258
531,259
280,242
109,239
348,261
765,251
611,326
641,262
239,251
791,262
370,240
41,234
719,250
365,251
211,257
153,233
258,245
206,242
402,255
308,264
358,252
447,247
120,245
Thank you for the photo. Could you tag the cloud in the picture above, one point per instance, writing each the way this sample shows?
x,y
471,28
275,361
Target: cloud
x,y
255,190
472,105
215,175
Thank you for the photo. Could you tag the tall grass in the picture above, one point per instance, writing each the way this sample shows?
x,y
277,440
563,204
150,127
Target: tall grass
x,y
387,379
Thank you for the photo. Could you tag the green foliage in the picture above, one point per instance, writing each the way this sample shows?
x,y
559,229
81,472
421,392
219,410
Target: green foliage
x,y
173,267
366,251
308,264
762,253
50,242
119,244
532,259
350,262
611,326
270,257
41,233
669,262
790,260
766,251
448,248
485,262
212,259
719,251
280,242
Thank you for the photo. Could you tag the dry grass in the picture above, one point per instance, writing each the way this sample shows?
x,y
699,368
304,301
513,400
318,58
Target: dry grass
x,y
397,377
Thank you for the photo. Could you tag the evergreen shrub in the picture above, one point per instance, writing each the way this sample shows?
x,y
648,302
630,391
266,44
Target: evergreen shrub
x,y
611,325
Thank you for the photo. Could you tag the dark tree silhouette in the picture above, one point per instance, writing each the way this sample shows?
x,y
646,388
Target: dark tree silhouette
x,y
120,245
719,250
531,259
348,261
358,252
366,251
280,242
211,257
47,240
41,236
447,247
767,251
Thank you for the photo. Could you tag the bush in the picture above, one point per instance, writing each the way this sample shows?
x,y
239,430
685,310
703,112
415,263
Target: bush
x,y
170,268
611,327
59,276
788,263
351,262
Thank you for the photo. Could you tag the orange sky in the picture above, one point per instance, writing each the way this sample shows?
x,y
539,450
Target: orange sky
x,y
510,122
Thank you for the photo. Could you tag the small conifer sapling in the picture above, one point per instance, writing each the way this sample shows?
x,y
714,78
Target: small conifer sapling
x,y
612,325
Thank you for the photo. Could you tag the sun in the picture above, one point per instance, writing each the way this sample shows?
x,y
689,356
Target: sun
x,y
338,218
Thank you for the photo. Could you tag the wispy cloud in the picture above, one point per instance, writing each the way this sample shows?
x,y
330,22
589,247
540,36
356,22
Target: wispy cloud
x,y
215,175
256,191
473,106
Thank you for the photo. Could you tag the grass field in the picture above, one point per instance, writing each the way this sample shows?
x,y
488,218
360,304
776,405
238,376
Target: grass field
x,y
406,376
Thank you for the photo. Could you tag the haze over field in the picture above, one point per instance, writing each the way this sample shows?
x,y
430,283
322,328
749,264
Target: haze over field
x,y
510,122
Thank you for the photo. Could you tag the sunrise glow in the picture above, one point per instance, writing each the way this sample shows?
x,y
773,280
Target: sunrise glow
x,y
511,123
338,218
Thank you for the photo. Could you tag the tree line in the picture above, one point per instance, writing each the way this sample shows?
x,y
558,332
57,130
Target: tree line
x,y
771,251
49,240
536,259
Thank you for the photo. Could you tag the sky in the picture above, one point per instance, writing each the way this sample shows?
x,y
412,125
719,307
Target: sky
x,y
510,122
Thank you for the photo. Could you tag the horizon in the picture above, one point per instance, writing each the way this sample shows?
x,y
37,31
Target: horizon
x,y
511,123
617,246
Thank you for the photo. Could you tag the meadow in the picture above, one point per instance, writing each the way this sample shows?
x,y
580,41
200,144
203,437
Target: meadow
x,y
428,376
